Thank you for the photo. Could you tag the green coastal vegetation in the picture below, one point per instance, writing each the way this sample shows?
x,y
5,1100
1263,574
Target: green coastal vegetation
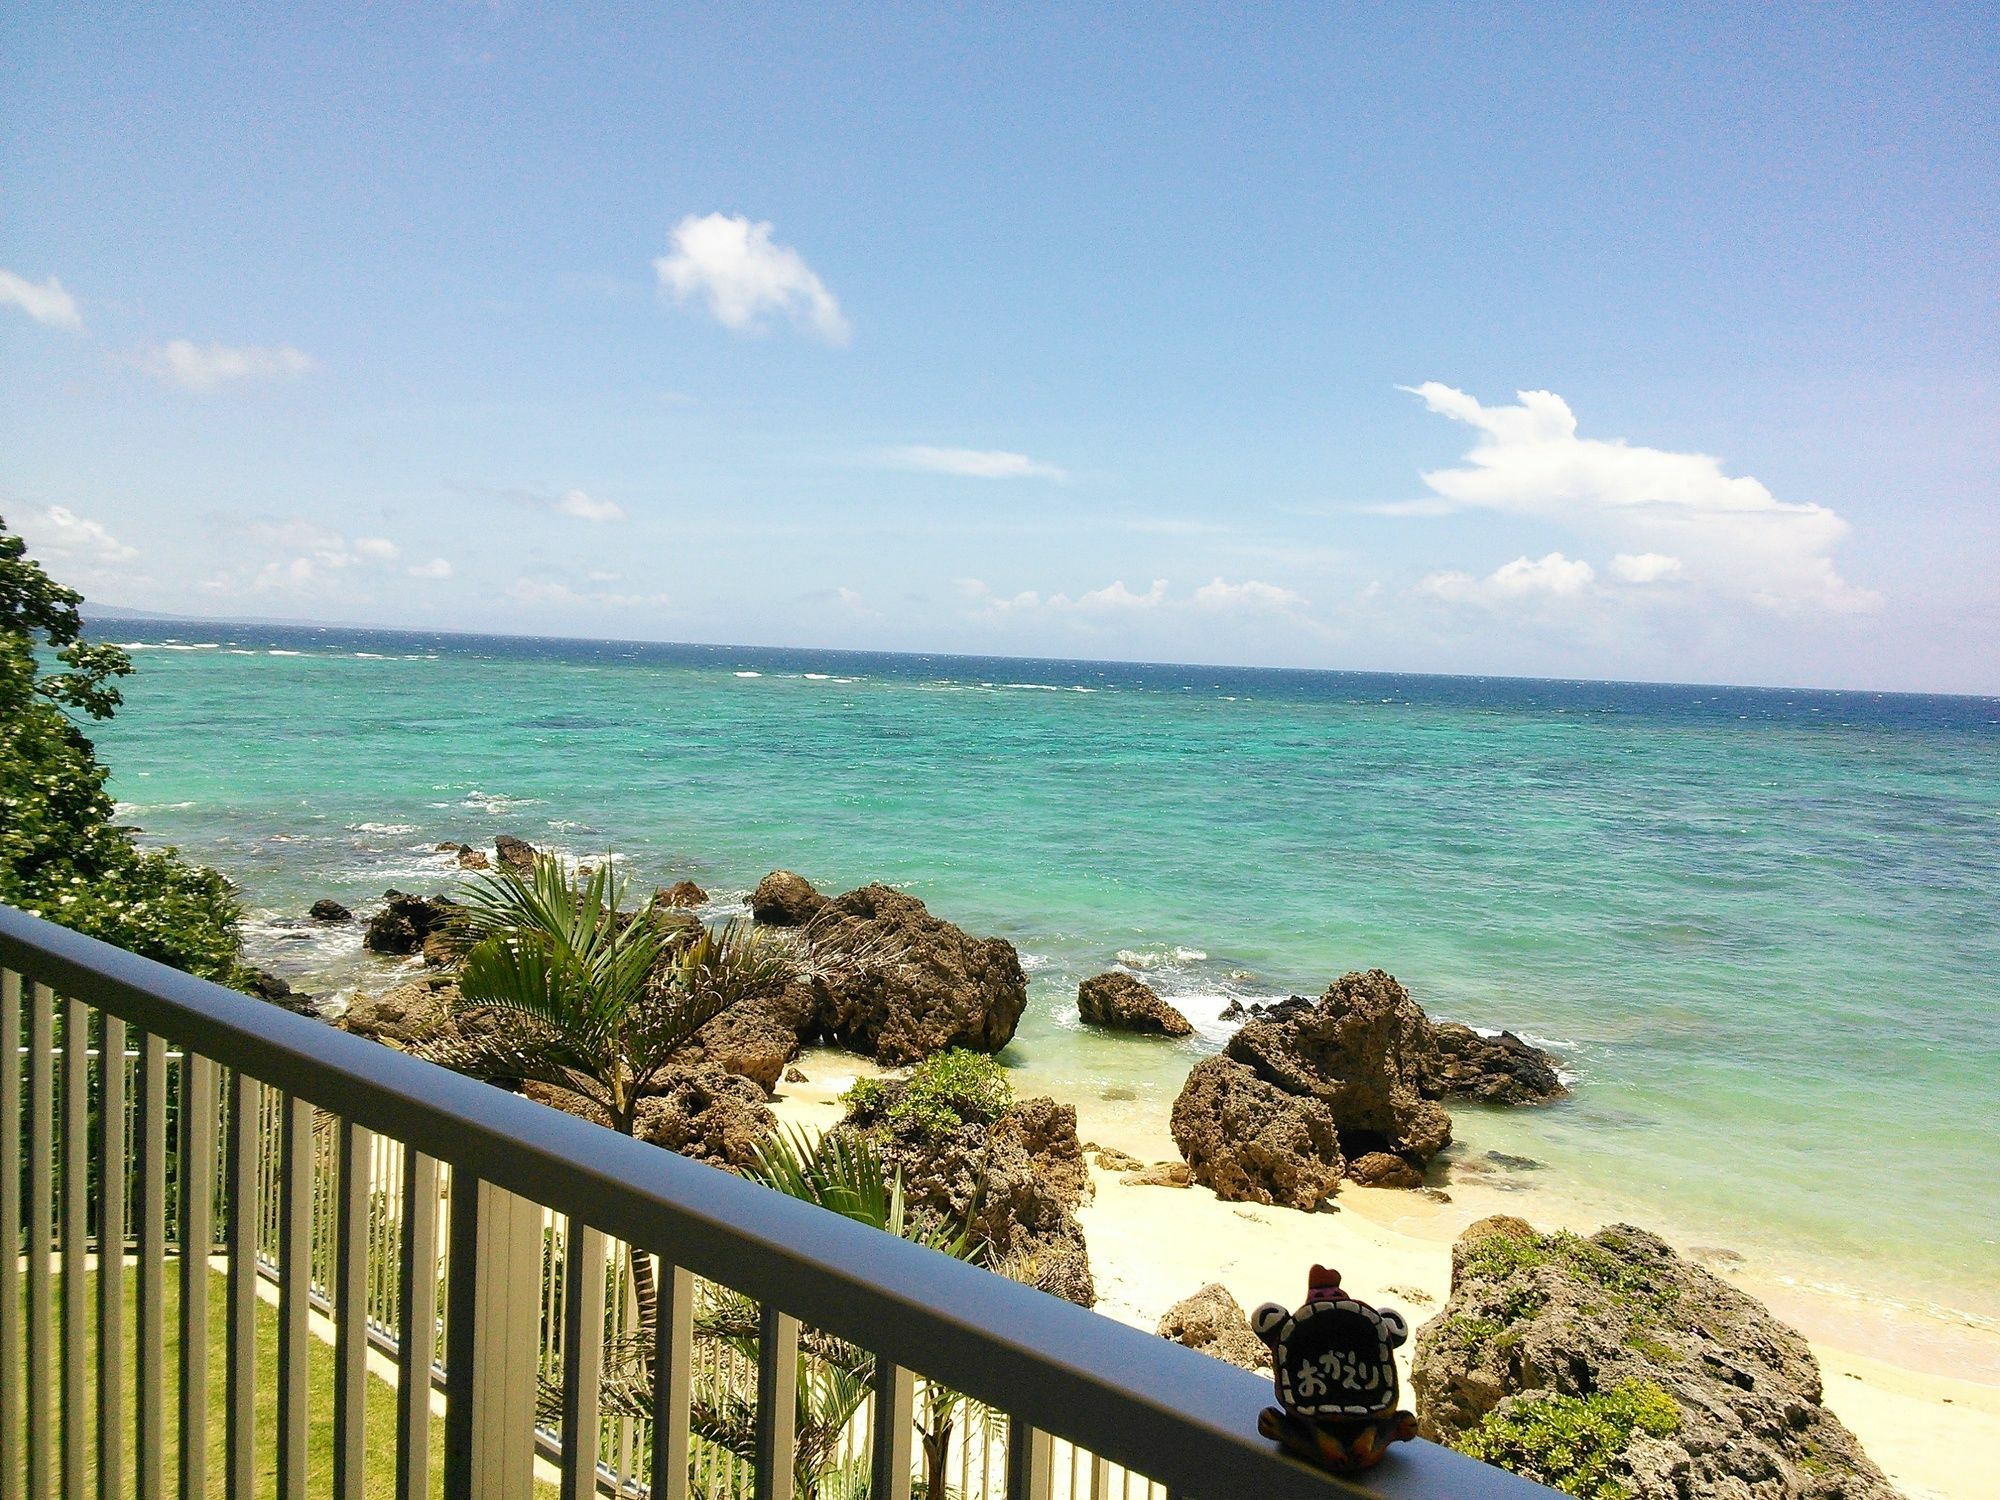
x,y
61,854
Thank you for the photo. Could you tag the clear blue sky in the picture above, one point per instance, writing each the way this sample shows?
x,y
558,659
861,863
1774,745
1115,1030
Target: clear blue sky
x,y
1161,332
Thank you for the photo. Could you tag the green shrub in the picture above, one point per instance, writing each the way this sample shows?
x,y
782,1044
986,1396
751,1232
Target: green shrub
x,y
1573,1443
61,856
943,1092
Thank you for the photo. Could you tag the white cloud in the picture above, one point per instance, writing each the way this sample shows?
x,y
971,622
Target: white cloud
x,y
577,504
1251,594
312,559
1117,596
1553,576
48,303
972,463
195,367
553,593
377,549
437,567
61,535
1730,534
1645,567
731,264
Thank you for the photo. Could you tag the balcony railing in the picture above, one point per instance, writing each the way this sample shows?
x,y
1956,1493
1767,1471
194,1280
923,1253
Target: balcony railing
x,y
162,1135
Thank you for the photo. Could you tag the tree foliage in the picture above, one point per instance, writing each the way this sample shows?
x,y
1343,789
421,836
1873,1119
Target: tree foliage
x,y
61,856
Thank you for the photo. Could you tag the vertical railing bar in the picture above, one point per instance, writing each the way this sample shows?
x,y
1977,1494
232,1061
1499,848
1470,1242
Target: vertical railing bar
x,y
461,1343
75,1242
777,1401
895,1400
350,1316
149,1334
41,1234
240,1402
583,1357
10,1221
1029,1455
196,1192
416,1317
111,1174
673,1381
295,1204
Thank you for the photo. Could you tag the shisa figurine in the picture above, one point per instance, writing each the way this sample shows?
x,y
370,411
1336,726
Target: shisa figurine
x,y
1334,1364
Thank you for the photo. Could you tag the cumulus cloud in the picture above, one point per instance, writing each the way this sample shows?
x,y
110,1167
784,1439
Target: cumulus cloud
x,y
47,303
1645,567
577,504
731,265
972,463
311,558
1553,576
1728,533
204,368
1251,594
61,535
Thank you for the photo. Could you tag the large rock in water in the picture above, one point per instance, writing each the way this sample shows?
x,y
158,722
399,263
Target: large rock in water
x,y
1499,1069
901,984
404,921
516,855
1118,1001
1214,1322
703,1111
1253,1142
1665,1382
783,899
1361,1049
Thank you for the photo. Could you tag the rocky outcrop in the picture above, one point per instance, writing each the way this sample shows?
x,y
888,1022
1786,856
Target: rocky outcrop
x,y
404,921
1252,1141
783,899
756,1037
1169,1174
326,909
1021,1176
1361,1049
708,1113
1499,1069
268,986
900,984
1121,1003
682,895
1214,1322
516,855
1613,1365
1380,1169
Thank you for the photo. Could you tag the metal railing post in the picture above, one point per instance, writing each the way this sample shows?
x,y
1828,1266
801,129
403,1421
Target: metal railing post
x,y
10,1220
491,1343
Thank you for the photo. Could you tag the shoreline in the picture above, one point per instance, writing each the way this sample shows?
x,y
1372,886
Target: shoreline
x,y
1932,1423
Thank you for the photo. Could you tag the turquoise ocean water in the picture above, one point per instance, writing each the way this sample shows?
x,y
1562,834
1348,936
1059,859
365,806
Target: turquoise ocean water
x,y
1761,927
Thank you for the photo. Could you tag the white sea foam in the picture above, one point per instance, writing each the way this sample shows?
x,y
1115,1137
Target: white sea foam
x,y
381,828
284,653
1136,960
495,802
239,651
818,676
1189,955
369,656
749,674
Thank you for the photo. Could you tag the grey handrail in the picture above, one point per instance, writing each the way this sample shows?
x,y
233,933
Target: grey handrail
x,y
1138,1400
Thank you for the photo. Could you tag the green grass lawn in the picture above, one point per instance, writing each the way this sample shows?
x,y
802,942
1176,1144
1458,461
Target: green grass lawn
x,y
379,1424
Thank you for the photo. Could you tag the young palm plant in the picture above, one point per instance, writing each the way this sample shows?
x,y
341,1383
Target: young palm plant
x,y
593,1001
842,1172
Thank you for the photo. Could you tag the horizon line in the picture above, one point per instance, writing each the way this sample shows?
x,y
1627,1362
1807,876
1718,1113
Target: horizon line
x,y
167,617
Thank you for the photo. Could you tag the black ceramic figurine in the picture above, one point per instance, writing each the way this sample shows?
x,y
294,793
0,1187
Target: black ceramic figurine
x,y
1334,1365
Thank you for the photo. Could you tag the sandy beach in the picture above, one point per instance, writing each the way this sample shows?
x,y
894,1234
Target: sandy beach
x,y
1931,1419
